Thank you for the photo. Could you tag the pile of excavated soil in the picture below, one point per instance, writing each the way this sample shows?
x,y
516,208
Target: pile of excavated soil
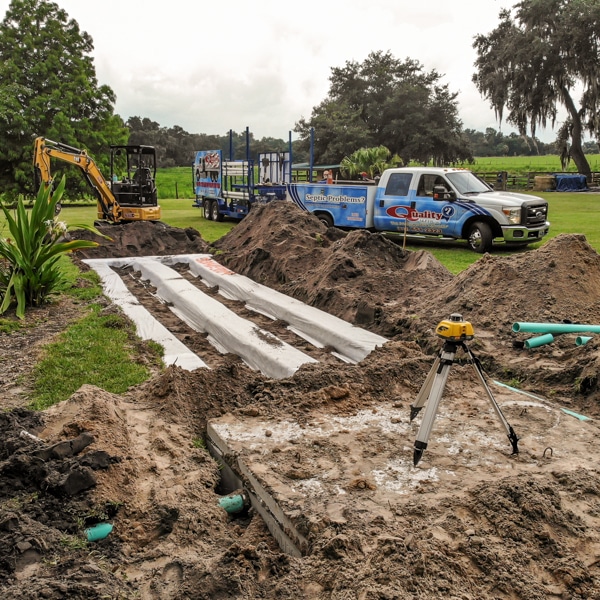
x,y
361,277
139,461
144,238
370,281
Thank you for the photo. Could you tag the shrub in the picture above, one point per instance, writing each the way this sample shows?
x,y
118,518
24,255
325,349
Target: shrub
x,y
29,273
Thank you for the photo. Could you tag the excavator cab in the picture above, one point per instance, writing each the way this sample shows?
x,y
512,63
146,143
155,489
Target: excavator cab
x,y
133,175
132,198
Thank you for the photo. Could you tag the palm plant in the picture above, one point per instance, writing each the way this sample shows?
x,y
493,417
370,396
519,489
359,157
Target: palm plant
x,y
372,161
29,272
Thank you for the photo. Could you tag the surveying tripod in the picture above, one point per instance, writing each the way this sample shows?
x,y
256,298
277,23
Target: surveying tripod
x,y
455,332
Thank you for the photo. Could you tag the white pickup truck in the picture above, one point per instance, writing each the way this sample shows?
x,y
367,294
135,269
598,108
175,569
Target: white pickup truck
x,y
434,202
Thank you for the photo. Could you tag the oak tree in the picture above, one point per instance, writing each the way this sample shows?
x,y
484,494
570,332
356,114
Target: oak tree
x,y
536,60
387,102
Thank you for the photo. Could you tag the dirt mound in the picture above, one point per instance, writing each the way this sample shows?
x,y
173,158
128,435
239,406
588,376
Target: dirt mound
x,y
558,282
141,238
359,276
139,460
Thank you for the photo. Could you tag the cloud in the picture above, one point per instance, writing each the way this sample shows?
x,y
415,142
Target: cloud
x,y
210,67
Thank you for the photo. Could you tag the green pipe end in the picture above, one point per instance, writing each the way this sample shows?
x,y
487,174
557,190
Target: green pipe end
x,y
232,504
540,340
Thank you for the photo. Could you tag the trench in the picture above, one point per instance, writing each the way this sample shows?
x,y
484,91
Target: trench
x,y
200,311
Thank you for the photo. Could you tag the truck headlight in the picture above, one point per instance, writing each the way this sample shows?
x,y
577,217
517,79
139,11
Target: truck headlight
x,y
513,215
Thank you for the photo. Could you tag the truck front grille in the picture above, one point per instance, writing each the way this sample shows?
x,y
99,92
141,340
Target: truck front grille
x,y
535,214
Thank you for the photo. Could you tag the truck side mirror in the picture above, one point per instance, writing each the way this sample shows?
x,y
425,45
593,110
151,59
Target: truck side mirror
x,y
441,193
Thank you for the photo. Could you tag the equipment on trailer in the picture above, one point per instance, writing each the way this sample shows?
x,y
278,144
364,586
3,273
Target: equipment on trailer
x,y
129,197
227,188
455,332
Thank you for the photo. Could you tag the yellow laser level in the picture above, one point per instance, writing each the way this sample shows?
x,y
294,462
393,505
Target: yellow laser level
x,y
454,332
455,329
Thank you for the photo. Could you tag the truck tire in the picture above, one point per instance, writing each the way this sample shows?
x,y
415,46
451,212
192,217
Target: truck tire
x,y
325,219
480,237
206,209
214,211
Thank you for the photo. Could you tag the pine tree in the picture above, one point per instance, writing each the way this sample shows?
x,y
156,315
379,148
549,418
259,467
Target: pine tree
x,y
48,87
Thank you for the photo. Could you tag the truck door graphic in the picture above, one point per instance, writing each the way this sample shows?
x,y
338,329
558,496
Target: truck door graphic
x,y
419,211
393,203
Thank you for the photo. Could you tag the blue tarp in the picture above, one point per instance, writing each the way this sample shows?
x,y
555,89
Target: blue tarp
x,y
570,183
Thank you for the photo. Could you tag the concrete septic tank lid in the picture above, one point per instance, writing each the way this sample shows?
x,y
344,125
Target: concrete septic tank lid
x,y
343,470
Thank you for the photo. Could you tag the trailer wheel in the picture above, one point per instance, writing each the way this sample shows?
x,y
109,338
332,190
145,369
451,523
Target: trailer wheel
x,y
214,211
326,219
480,237
206,209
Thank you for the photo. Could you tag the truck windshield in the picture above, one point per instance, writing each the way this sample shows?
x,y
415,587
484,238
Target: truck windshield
x,y
467,183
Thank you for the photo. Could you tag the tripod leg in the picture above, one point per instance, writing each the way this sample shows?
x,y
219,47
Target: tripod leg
x,y
510,432
425,389
437,388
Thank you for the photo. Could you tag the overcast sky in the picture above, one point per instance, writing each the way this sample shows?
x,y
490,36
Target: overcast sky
x,y
214,66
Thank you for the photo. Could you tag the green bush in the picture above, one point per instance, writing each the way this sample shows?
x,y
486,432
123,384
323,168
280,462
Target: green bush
x,y
29,273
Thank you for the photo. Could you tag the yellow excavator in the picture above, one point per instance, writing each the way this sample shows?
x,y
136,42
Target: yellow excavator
x,y
121,199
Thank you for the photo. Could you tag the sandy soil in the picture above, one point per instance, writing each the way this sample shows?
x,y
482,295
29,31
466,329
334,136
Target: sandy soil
x,y
524,526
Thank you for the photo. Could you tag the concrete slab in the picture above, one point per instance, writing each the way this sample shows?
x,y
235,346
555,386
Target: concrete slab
x,y
323,470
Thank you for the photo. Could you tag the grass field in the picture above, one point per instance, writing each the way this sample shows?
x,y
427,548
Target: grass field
x,y
570,212
175,183
523,164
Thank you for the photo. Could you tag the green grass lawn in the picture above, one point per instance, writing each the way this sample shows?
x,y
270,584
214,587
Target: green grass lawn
x,y
522,164
570,212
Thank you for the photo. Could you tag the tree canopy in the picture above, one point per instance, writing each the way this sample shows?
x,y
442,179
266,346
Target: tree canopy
x,y
175,147
536,59
48,87
387,102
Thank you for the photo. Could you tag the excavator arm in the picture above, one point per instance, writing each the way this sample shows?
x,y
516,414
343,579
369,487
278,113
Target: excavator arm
x,y
45,150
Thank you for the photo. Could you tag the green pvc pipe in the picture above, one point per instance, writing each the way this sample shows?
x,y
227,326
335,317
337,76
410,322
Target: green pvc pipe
x,y
582,340
576,415
232,504
541,340
98,532
555,328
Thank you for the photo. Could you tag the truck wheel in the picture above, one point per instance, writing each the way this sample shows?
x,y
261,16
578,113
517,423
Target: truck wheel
x,y
480,237
326,220
214,211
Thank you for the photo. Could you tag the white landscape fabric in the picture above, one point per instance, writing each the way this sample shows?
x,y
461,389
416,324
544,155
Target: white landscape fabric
x,y
228,332
259,349
350,342
147,327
